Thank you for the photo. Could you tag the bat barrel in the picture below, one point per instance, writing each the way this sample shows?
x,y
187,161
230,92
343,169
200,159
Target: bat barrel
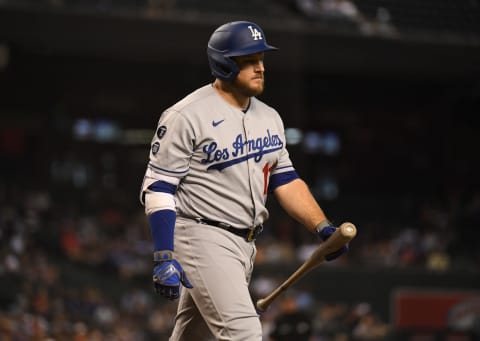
x,y
348,230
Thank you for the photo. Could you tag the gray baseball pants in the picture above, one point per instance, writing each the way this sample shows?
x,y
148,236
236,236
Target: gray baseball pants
x,y
219,265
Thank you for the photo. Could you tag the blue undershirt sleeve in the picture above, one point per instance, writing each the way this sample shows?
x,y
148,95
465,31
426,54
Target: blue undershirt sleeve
x,y
162,186
280,179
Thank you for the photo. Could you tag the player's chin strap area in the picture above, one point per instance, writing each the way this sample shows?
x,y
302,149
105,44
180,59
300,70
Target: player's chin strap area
x,y
249,234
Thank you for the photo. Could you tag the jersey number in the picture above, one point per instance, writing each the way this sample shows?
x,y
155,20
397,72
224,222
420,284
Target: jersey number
x,y
266,173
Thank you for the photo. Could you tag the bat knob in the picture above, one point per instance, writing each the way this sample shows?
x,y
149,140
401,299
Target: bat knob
x,y
260,306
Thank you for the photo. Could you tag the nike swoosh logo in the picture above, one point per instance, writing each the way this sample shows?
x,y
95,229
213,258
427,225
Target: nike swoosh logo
x,y
216,123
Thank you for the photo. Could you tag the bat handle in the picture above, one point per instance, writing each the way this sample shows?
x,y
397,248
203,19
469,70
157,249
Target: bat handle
x,y
263,303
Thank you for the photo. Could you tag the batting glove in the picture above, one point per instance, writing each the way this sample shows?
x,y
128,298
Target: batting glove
x,y
324,230
168,275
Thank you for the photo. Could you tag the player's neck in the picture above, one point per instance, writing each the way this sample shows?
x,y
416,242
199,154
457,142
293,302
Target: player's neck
x,y
231,94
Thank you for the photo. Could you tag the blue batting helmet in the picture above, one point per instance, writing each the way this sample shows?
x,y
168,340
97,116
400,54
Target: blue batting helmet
x,y
238,38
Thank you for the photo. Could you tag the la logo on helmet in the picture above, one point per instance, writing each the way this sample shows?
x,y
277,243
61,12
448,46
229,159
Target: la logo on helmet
x,y
256,35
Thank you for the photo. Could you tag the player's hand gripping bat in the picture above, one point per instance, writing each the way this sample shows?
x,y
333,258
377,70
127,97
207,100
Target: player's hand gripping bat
x,y
345,233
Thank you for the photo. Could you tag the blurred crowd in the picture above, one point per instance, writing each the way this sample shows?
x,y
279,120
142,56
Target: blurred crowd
x,y
75,257
388,19
78,268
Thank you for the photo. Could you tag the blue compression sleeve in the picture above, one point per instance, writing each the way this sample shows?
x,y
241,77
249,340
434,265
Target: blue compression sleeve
x,y
280,179
162,225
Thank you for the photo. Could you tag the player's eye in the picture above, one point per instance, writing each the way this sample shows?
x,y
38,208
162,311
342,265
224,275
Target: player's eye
x,y
249,60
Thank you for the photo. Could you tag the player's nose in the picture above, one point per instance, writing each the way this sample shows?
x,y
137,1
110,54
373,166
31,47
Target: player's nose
x,y
259,66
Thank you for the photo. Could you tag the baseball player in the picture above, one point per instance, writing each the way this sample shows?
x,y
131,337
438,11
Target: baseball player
x,y
215,156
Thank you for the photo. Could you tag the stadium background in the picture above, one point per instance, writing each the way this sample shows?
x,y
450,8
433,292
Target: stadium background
x,y
381,100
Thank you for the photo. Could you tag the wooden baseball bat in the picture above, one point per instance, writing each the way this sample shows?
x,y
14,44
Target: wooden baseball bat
x,y
345,233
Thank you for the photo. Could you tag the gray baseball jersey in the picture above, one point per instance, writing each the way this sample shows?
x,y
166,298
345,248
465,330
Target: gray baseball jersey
x,y
222,157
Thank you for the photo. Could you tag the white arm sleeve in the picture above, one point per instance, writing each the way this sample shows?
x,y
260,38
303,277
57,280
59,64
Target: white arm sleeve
x,y
152,177
156,201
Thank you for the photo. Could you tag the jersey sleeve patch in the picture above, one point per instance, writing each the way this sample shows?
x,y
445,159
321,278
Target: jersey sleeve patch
x,y
172,145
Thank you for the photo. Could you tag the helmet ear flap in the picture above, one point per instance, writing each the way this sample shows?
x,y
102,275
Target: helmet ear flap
x,y
222,67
